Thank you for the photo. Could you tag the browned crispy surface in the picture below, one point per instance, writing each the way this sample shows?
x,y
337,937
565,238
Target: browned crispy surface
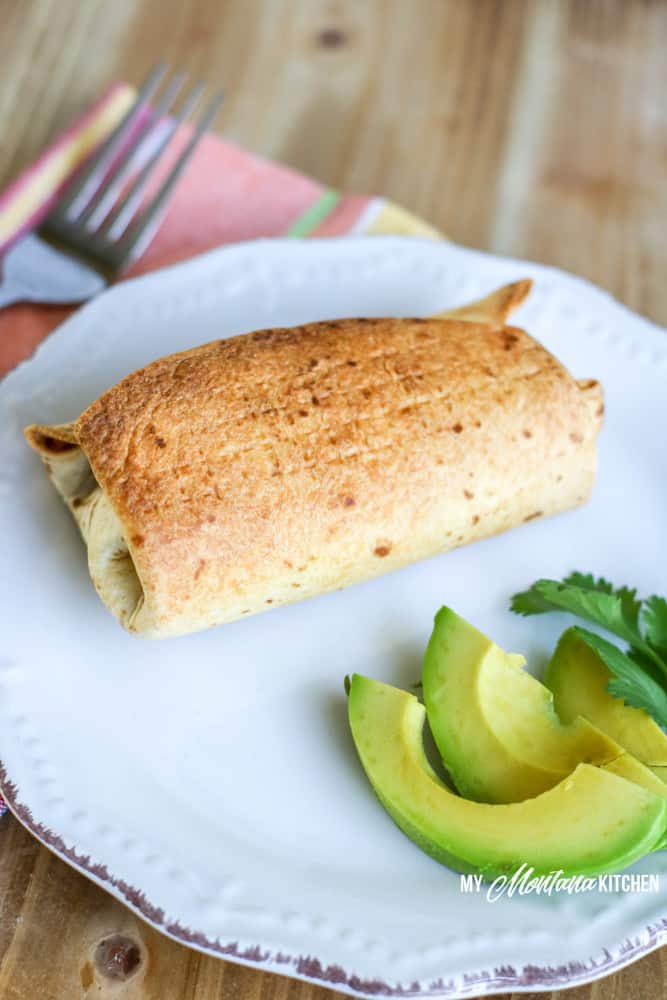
x,y
268,467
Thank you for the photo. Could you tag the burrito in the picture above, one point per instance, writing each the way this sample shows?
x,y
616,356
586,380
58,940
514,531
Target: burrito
x,y
266,468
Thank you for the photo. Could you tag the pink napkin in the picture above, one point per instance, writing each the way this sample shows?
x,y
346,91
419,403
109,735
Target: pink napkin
x,y
226,195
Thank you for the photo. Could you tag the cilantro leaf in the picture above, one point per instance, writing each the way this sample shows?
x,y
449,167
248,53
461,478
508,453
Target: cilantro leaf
x,y
645,663
639,675
532,602
588,582
597,602
628,597
599,606
654,622
630,603
628,681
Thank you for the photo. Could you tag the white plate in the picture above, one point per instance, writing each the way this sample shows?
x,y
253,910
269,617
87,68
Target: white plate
x,y
210,782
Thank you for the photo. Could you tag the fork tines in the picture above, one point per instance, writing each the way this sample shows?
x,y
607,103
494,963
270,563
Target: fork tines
x,y
99,214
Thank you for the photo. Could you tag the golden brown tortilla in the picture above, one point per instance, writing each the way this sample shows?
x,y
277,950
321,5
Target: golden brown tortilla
x,y
270,467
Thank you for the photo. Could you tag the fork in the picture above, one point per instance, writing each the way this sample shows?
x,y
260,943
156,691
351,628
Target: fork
x,y
97,227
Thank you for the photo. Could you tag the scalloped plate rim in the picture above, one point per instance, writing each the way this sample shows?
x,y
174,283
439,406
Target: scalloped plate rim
x,y
624,952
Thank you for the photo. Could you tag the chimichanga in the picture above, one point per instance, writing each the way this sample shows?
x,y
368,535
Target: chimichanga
x,y
270,467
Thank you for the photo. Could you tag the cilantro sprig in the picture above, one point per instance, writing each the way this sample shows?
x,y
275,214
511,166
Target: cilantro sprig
x,y
638,673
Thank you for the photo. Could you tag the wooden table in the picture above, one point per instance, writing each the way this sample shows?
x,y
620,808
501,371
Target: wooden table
x,y
536,128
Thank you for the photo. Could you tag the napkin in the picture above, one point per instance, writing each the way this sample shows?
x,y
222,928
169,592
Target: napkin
x,y
226,195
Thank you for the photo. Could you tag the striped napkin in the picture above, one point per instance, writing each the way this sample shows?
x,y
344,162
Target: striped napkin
x,y
226,195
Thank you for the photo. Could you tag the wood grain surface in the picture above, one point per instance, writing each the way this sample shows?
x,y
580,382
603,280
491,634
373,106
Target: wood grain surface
x,y
535,128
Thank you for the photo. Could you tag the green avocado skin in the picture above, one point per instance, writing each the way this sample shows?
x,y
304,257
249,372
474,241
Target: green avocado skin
x,y
477,838
427,844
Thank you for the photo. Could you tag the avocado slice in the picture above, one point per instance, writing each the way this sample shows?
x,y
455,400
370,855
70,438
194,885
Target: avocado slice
x,y
495,725
633,770
578,679
592,822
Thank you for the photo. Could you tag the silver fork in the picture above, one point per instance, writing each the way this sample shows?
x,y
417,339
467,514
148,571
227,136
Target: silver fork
x,y
92,235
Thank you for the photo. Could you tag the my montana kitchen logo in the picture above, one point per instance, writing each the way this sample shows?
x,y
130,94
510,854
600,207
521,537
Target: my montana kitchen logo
x,y
524,882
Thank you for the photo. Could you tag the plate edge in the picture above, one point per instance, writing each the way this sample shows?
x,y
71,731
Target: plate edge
x,y
310,969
